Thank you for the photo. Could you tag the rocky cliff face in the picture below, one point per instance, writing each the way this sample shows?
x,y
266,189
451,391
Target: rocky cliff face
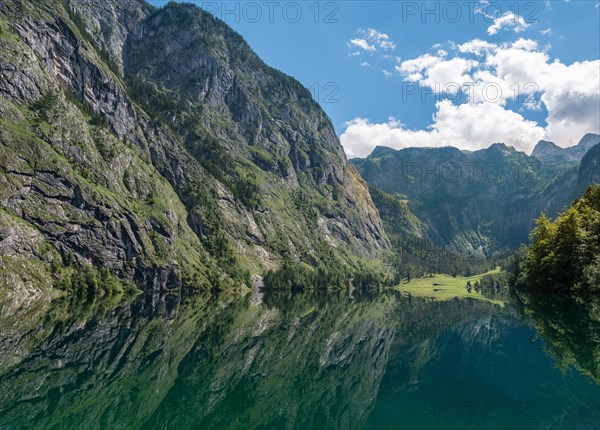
x,y
550,153
260,125
479,202
589,170
156,144
109,23
68,175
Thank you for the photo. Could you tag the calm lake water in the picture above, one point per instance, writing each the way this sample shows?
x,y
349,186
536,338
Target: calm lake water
x,y
306,361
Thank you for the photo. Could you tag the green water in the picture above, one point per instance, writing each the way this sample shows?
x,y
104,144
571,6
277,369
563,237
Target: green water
x,y
307,361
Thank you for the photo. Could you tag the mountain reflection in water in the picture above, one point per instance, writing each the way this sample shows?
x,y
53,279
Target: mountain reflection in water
x,y
303,361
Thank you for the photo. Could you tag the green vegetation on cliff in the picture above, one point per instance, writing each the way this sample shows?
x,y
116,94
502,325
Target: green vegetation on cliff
x,y
481,203
191,169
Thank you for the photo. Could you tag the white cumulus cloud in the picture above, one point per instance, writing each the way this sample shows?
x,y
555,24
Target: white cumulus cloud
x,y
363,44
465,126
508,21
490,75
477,47
372,41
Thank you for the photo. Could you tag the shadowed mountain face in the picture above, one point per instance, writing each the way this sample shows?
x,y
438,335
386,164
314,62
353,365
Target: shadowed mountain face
x,y
296,361
157,145
589,170
478,202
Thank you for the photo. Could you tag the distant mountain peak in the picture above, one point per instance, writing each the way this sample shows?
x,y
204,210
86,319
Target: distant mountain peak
x,y
381,151
587,142
589,136
500,146
550,153
545,144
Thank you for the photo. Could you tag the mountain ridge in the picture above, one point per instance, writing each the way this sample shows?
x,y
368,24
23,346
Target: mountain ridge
x,y
480,202
551,153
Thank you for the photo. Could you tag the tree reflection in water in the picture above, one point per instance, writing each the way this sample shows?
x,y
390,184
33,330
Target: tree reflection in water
x,y
373,360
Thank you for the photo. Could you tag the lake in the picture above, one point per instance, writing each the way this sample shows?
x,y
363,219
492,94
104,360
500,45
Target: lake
x,y
376,360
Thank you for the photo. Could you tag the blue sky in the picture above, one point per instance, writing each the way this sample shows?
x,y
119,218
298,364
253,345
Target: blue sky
x,y
374,67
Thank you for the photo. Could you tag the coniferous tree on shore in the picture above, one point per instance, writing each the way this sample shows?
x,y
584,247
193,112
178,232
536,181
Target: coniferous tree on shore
x,y
564,255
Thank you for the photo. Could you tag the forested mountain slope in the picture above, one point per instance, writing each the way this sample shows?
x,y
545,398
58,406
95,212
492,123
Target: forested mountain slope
x,y
483,202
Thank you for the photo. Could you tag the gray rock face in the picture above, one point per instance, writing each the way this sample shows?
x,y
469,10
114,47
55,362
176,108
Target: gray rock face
x,y
109,22
65,57
546,151
206,67
586,143
550,153
74,167
222,159
46,184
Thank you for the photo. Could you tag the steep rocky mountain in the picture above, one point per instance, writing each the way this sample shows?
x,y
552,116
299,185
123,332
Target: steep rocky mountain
x,y
247,120
551,153
547,152
154,143
479,203
589,170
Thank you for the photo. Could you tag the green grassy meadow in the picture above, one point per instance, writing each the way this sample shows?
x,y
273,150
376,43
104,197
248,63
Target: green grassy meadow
x,y
446,287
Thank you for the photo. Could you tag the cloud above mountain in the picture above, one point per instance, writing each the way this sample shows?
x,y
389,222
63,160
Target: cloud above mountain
x,y
465,126
485,91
